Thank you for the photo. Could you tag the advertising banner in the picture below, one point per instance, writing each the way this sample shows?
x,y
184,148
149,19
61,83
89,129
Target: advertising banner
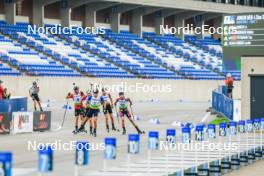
x,y
6,163
41,120
14,104
224,105
22,122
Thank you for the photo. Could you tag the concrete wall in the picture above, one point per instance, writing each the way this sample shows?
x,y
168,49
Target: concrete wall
x,y
247,64
194,5
57,88
52,11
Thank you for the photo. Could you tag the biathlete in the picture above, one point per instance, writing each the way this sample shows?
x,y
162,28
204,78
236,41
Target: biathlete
x,y
34,94
94,103
86,105
122,103
108,109
83,108
77,100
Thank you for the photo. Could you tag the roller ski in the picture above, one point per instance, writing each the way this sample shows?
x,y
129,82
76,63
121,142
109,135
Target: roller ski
x,y
117,130
75,131
139,131
82,131
114,128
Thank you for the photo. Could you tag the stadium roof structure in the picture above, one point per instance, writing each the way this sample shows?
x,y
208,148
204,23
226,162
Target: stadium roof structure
x,y
182,9
177,4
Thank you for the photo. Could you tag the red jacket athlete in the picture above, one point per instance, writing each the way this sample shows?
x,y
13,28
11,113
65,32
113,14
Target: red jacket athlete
x,y
77,100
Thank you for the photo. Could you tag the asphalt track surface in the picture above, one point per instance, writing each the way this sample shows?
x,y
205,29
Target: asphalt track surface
x,y
25,160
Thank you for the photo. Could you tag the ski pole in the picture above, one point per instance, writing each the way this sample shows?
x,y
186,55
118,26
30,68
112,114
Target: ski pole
x,y
132,113
117,115
65,112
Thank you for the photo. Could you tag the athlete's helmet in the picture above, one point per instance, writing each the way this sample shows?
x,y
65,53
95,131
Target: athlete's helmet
x,y
228,75
34,83
96,91
76,88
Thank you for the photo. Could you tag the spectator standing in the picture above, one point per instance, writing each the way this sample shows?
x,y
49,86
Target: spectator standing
x,y
229,81
6,95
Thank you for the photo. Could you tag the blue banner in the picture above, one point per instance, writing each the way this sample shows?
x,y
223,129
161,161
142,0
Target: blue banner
x,y
257,124
153,142
233,128
249,125
222,129
82,155
133,143
171,136
262,123
222,104
110,149
6,162
13,105
186,135
211,131
241,126
199,132
45,159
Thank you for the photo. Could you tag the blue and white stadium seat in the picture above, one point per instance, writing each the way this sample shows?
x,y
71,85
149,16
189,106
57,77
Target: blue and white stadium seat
x,y
71,55
120,55
28,60
7,71
190,55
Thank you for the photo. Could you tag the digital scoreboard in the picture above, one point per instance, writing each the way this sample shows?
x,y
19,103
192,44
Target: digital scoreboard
x,y
243,34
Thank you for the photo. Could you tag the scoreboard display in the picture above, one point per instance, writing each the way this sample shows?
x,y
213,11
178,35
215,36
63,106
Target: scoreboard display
x,y
243,34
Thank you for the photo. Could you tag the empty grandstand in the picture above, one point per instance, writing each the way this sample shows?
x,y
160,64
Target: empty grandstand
x,y
133,45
